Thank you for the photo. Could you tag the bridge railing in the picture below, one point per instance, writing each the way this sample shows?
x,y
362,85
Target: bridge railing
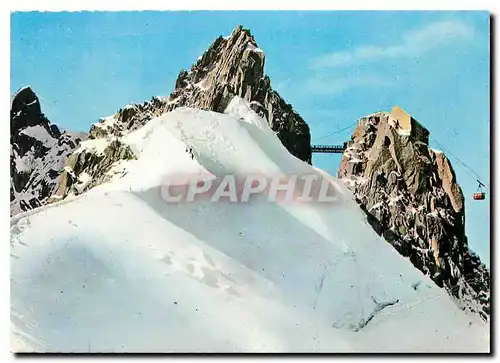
x,y
327,148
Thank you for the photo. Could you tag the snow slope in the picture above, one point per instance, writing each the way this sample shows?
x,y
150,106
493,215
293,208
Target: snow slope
x,y
118,269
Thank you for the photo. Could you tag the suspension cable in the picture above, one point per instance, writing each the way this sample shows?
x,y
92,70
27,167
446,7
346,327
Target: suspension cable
x,y
466,167
337,131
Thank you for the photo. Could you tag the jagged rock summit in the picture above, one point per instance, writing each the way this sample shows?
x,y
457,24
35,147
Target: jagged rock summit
x,y
410,196
38,152
232,66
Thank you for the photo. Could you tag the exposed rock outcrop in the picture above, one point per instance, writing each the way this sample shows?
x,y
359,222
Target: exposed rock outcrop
x,y
410,195
38,152
92,164
129,118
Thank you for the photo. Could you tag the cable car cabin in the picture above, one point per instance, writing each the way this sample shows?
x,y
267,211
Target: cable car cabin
x,y
478,196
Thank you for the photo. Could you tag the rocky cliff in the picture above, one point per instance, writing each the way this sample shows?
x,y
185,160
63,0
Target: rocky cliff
x,y
232,66
410,196
38,152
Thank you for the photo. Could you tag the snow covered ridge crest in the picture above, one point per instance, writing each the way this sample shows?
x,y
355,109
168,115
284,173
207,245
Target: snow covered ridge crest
x,y
308,188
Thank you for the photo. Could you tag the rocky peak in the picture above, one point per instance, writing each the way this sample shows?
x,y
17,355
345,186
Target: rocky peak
x,y
38,152
410,196
26,112
234,66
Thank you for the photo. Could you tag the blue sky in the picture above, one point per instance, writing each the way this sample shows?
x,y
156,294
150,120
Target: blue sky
x,y
333,67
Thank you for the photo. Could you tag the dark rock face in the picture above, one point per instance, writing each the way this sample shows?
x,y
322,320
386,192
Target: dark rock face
x,y
26,111
410,196
38,152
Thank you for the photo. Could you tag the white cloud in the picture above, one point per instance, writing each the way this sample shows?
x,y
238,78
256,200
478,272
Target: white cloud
x,y
415,42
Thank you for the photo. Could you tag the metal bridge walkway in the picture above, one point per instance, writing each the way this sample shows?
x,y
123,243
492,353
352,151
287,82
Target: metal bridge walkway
x,y
328,149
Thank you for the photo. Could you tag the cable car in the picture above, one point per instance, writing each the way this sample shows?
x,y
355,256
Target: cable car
x,y
479,194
